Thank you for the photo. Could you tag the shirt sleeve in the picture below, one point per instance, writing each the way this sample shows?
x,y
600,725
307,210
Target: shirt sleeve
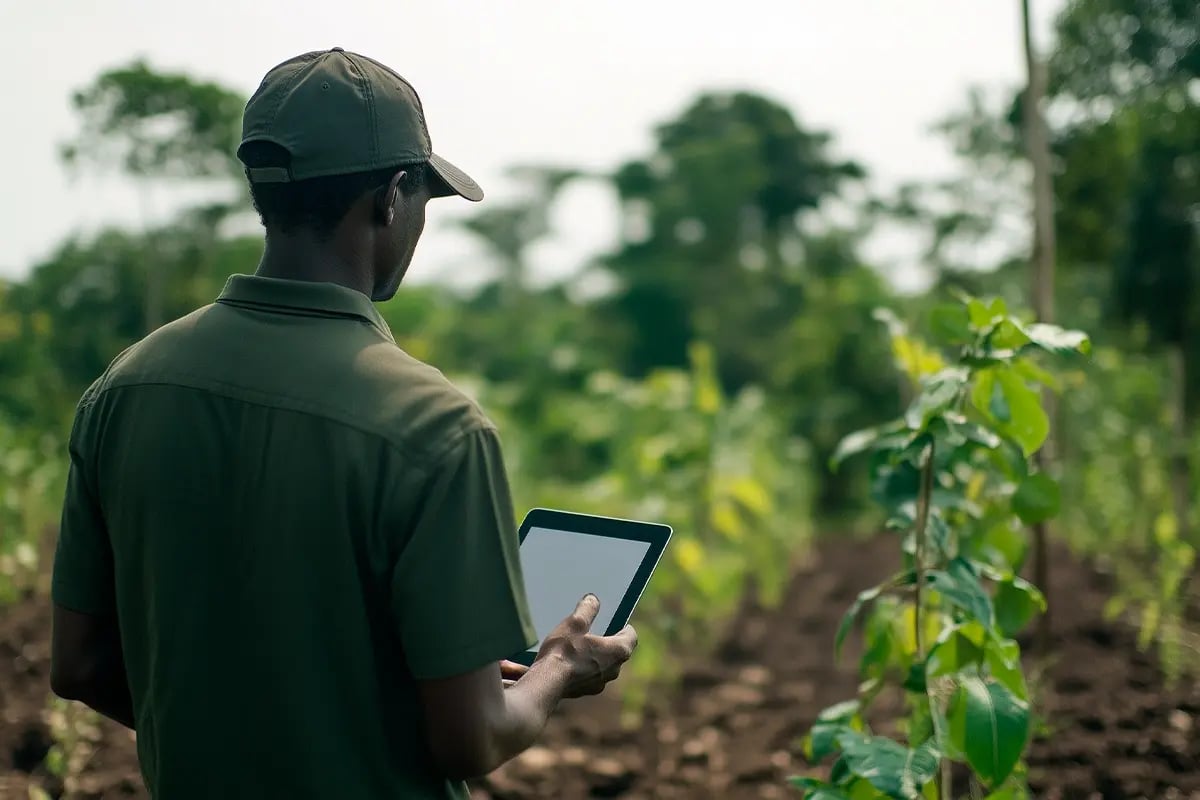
x,y
457,592
82,578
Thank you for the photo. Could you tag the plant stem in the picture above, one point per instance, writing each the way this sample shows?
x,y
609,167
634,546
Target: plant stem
x,y
924,499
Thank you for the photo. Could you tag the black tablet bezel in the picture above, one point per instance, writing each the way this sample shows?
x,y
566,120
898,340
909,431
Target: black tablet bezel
x,y
655,534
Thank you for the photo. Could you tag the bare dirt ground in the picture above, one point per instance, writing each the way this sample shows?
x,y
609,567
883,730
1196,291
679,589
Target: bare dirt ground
x,y
730,731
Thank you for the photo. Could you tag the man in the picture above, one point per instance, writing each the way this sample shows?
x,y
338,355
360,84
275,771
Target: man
x,y
287,556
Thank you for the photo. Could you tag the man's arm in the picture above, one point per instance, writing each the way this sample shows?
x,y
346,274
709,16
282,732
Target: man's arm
x,y
86,664
459,605
474,724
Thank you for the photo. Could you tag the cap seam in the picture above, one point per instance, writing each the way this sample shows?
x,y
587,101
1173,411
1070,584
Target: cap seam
x,y
285,90
365,83
416,96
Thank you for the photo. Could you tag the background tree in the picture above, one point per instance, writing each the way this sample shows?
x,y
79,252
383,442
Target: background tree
x,y
158,128
1042,266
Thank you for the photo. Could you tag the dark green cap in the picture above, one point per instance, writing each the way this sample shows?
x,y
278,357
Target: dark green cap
x,y
337,112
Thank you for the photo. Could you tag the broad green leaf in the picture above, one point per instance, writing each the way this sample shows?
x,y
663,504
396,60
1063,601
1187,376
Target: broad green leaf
x,y
1016,602
841,712
892,768
1006,337
890,435
939,392
953,652
1003,660
1028,425
821,740
1003,541
951,324
987,396
959,586
1059,341
990,725
882,650
984,314
998,403
1030,371
1037,498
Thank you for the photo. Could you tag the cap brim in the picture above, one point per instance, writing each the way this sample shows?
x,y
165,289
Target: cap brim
x,y
455,180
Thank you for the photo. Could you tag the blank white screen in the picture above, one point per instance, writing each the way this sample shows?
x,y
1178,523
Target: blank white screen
x,y
560,568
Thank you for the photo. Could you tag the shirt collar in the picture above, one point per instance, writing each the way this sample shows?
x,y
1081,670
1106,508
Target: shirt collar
x,y
310,298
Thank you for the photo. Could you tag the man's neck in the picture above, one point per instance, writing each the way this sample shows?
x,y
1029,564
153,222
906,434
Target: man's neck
x,y
303,258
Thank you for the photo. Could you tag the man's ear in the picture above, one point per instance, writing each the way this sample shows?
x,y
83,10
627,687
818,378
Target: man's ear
x,y
385,199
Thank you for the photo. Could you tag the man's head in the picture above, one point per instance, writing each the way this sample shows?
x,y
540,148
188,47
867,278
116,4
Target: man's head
x,y
338,154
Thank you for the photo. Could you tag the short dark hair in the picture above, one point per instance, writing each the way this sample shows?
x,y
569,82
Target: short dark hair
x,y
316,204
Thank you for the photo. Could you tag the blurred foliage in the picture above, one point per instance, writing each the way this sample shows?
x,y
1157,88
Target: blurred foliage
x,y
32,479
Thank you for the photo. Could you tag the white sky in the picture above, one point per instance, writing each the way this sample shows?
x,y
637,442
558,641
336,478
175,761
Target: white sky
x,y
525,81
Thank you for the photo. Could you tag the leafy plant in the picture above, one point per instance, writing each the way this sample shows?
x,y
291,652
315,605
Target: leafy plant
x,y
955,476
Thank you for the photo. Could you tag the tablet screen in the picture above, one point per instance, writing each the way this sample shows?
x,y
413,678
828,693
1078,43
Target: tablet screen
x,y
560,568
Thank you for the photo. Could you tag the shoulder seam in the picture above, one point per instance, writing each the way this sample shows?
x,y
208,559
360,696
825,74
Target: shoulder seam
x,y
425,460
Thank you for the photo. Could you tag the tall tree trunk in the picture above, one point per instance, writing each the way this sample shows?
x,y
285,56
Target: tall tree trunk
x,y
1041,274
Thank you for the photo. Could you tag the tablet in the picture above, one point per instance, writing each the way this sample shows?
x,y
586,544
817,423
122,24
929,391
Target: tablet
x,y
565,555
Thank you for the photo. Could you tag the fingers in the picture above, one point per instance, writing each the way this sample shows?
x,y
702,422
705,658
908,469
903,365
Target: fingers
x,y
512,671
624,642
584,615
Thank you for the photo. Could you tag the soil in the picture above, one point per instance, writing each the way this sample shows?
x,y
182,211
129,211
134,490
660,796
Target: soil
x,y
730,732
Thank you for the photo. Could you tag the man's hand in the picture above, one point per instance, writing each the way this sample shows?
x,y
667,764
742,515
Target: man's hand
x,y
592,661
474,724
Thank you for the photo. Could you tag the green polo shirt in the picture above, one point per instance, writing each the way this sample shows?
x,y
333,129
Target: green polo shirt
x,y
294,521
